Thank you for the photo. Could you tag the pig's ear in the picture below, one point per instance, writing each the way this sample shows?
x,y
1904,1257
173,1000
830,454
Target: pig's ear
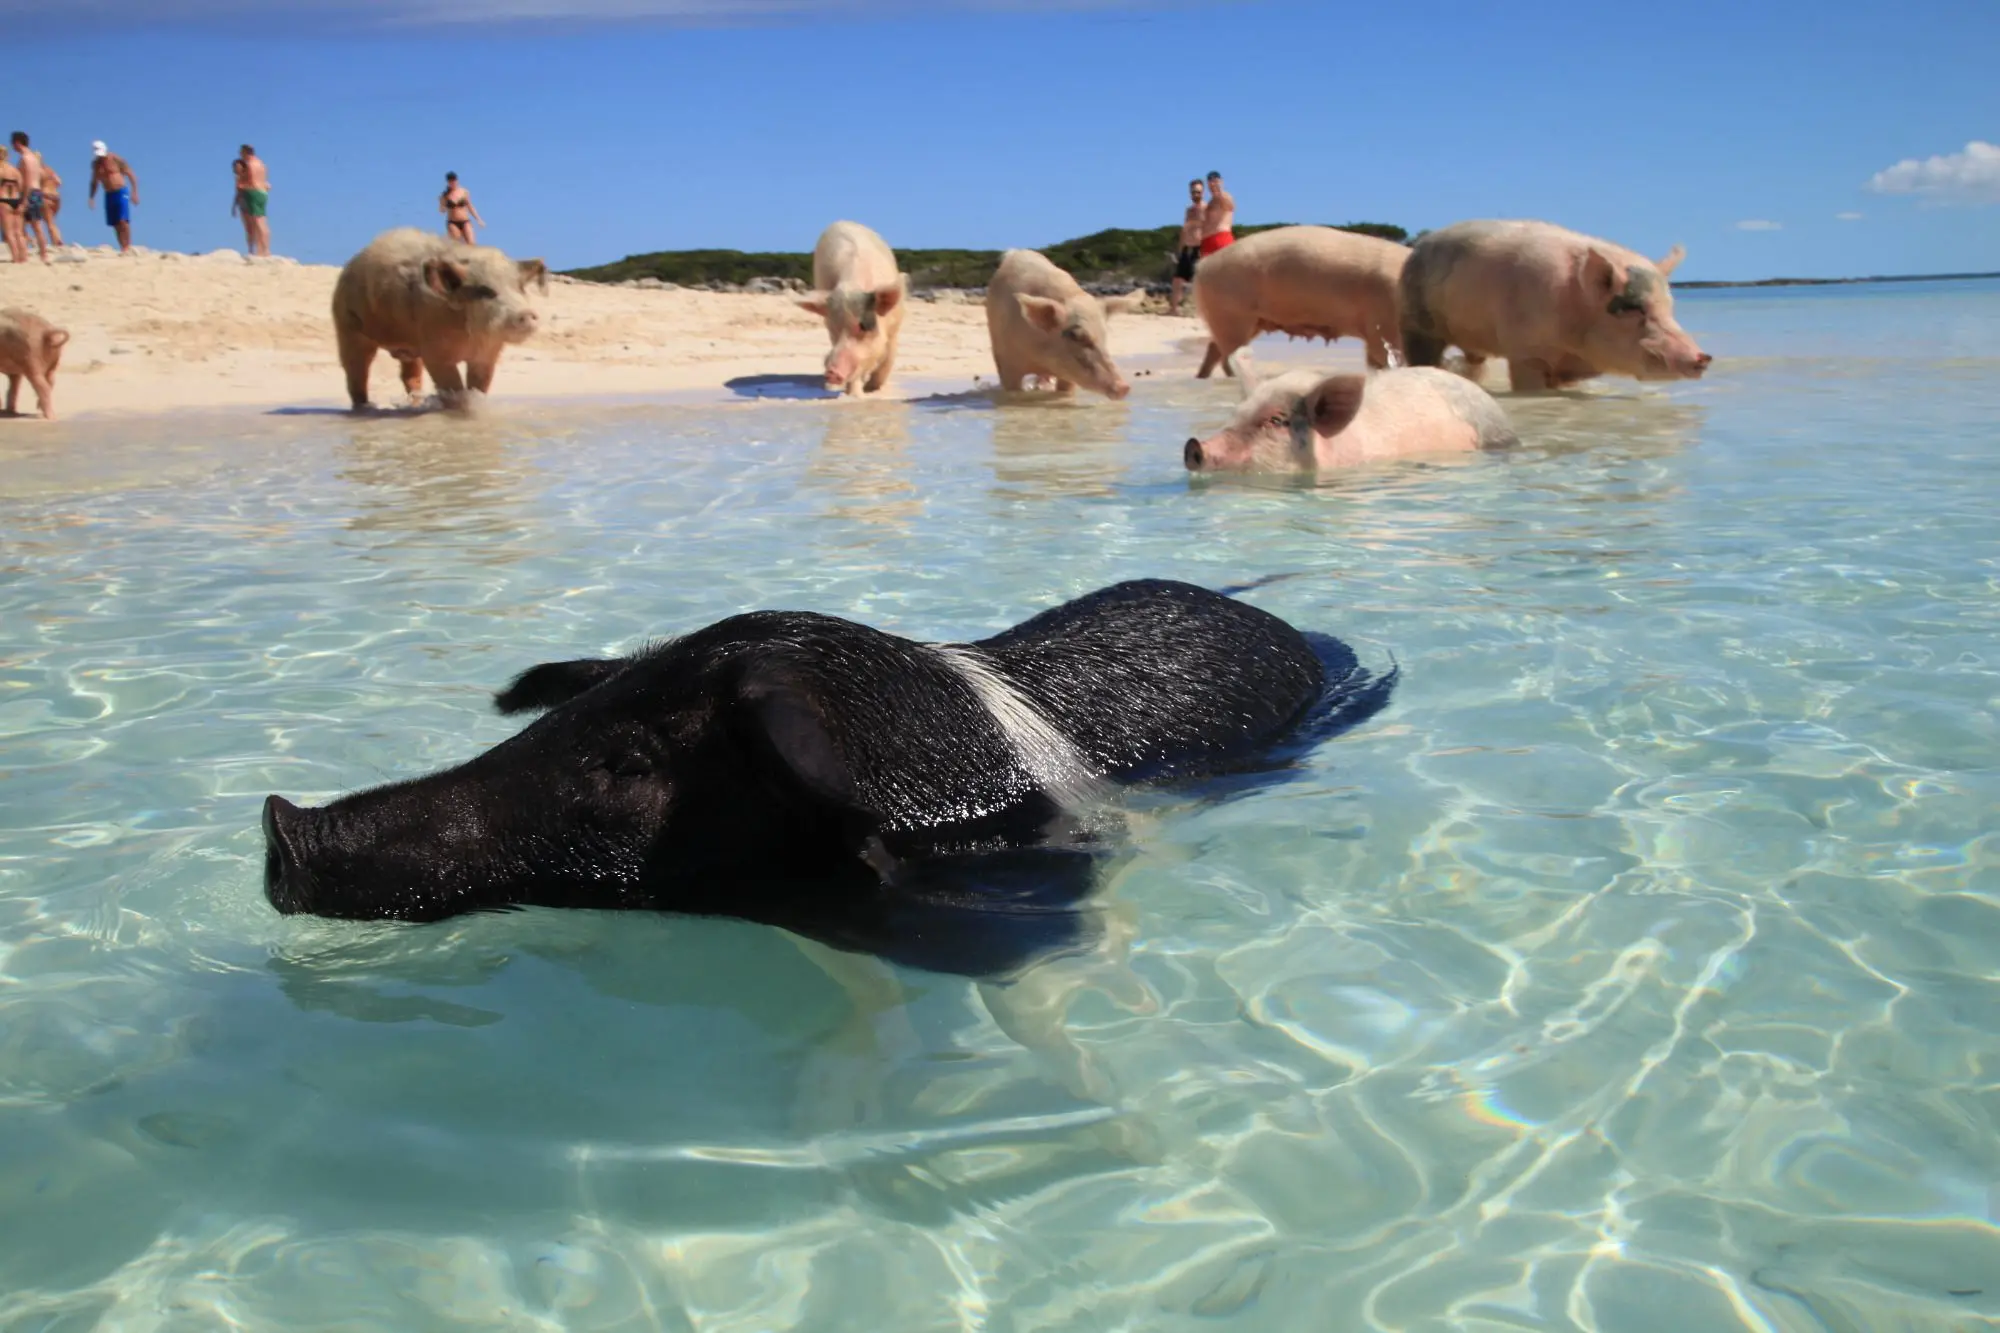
x,y
816,302
1045,314
554,683
56,338
789,740
444,276
1126,304
1672,261
535,271
1334,401
888,298
1603,276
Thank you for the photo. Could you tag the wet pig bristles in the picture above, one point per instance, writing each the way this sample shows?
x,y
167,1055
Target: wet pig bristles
x,y
937,804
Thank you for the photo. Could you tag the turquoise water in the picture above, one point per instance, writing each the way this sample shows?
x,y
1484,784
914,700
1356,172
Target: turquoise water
x,y
1637,969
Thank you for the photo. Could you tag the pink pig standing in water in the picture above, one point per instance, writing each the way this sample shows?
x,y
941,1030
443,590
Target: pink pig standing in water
x,y
859,291
1560,306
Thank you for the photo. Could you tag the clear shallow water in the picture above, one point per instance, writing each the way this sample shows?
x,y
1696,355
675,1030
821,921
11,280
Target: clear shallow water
x,y
1638,968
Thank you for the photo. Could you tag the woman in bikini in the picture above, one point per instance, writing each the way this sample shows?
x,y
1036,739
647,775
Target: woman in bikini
x,y
459,214
13,199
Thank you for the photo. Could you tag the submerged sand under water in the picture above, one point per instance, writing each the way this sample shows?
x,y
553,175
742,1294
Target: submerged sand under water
x,y
1633,970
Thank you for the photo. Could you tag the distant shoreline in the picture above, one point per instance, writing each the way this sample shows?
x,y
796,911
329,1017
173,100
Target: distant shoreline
x,y
1837,282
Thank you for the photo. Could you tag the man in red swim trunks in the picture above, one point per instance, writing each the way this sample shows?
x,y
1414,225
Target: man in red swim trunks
x,y
1218,216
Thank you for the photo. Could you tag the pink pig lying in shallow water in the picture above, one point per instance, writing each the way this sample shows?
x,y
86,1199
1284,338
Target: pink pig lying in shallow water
x,y
1308,420
1560,306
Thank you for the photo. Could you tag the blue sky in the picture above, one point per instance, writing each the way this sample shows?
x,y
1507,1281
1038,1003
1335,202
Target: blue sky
x,y
631,125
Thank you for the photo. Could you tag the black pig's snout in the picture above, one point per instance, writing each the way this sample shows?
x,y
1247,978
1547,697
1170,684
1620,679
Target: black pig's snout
x,y
283,861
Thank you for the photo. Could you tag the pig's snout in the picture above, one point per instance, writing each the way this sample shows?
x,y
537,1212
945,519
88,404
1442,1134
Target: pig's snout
x,y
1190,454
1119,389
284,855
1702,361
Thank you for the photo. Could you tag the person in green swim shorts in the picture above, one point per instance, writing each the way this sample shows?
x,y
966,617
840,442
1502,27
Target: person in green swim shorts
x,y
253,200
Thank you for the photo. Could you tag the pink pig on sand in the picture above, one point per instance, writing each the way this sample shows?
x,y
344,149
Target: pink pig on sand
x,y
31,349
859,292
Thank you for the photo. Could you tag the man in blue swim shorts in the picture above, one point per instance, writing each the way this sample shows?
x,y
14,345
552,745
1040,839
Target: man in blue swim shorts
x,y
121,191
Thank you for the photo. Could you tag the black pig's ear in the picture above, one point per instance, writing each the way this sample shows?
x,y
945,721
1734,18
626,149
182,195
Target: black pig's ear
x,y
790,732
554,683
788,736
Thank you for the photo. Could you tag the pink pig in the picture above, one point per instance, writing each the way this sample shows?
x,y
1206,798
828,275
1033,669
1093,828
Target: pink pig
x,y
1560,306
1308,420
858,290
1310,282
30,348
1043,323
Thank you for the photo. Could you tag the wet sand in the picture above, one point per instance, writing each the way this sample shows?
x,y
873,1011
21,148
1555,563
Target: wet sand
x,y
161,331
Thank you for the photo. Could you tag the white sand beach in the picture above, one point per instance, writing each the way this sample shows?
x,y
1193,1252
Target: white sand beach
x,y
155,331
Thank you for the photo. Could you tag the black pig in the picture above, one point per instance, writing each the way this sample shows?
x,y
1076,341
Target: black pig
x,y
878,793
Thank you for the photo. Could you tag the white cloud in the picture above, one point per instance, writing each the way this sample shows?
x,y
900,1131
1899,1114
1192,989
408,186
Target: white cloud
x,y
1847,217
1759,224
1970,177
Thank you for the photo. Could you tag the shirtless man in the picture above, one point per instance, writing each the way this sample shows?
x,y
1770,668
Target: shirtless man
x,y
1190,250
253,200
33,182
121,191
1218,217
459,214
13,201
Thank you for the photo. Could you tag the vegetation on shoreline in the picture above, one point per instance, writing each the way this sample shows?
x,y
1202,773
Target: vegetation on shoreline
x,y
1116,255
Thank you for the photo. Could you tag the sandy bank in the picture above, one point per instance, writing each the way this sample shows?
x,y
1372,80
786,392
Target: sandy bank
x,y
166,331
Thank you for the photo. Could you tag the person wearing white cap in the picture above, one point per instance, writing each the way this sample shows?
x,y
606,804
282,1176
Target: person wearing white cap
x,y
121,191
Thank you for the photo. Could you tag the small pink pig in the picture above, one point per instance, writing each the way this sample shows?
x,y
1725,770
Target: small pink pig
x,y
859,292
1042,323
30,348
1310,282
1560,306
1307,420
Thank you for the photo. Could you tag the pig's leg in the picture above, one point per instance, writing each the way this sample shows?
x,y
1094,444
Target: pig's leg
x,y
13,393
880,376
1064,386
1474,366
411,368
1528,374
1012,374
356,355
1214,357
450,385
1422,349
479,374
45,394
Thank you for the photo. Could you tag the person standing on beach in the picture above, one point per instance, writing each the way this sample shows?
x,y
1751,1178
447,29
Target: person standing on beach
x,y
1190,249
121,191
1218,217
13,203
253,200
33,182
459,214
50,233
